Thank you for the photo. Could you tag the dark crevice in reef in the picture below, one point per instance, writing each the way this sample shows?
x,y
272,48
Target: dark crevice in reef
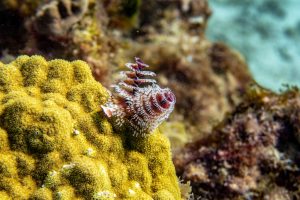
x,y
12,37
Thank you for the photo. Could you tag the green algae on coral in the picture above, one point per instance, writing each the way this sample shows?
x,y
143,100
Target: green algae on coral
x,y
55,142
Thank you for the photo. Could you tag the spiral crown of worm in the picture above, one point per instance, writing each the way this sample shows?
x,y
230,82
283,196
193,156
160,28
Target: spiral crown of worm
x,y
138,102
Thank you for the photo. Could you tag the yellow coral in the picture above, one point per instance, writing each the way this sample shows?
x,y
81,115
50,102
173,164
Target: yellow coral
x,y
55,142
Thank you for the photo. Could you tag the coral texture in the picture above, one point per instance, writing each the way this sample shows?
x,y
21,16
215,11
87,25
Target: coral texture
x,y
252,154
138,102
55,142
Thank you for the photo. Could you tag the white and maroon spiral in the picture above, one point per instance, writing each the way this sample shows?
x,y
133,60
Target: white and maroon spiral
x,y
138,102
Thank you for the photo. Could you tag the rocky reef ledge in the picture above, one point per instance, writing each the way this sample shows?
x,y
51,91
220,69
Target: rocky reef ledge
x,y
252,154
55,142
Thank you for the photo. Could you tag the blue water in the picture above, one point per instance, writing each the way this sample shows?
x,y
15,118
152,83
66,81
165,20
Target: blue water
x,y
266,32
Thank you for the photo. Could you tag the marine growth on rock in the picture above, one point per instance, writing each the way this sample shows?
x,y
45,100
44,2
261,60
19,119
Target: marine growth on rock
x,y
138,102
253,154
55,18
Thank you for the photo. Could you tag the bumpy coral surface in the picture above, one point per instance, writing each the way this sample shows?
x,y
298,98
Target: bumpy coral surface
x,y
55,142
252,154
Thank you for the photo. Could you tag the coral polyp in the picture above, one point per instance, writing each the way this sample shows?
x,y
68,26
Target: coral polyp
x,y
138,102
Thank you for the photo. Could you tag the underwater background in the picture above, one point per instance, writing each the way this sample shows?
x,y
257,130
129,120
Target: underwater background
x,y
266,32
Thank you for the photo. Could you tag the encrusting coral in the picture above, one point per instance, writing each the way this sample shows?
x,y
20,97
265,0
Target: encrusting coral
x,y
252,154
55,142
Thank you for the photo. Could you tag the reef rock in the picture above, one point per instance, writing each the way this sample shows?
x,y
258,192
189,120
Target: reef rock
x,y
55,142
55,18
252,154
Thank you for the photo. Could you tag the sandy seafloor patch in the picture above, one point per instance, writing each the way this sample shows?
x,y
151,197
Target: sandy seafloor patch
x,y
266,32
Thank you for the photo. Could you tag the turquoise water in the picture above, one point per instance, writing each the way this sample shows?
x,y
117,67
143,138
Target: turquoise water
x,y
266,32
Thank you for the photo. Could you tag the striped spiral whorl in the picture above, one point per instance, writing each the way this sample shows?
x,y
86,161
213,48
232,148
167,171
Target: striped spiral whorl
x,y
139,102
